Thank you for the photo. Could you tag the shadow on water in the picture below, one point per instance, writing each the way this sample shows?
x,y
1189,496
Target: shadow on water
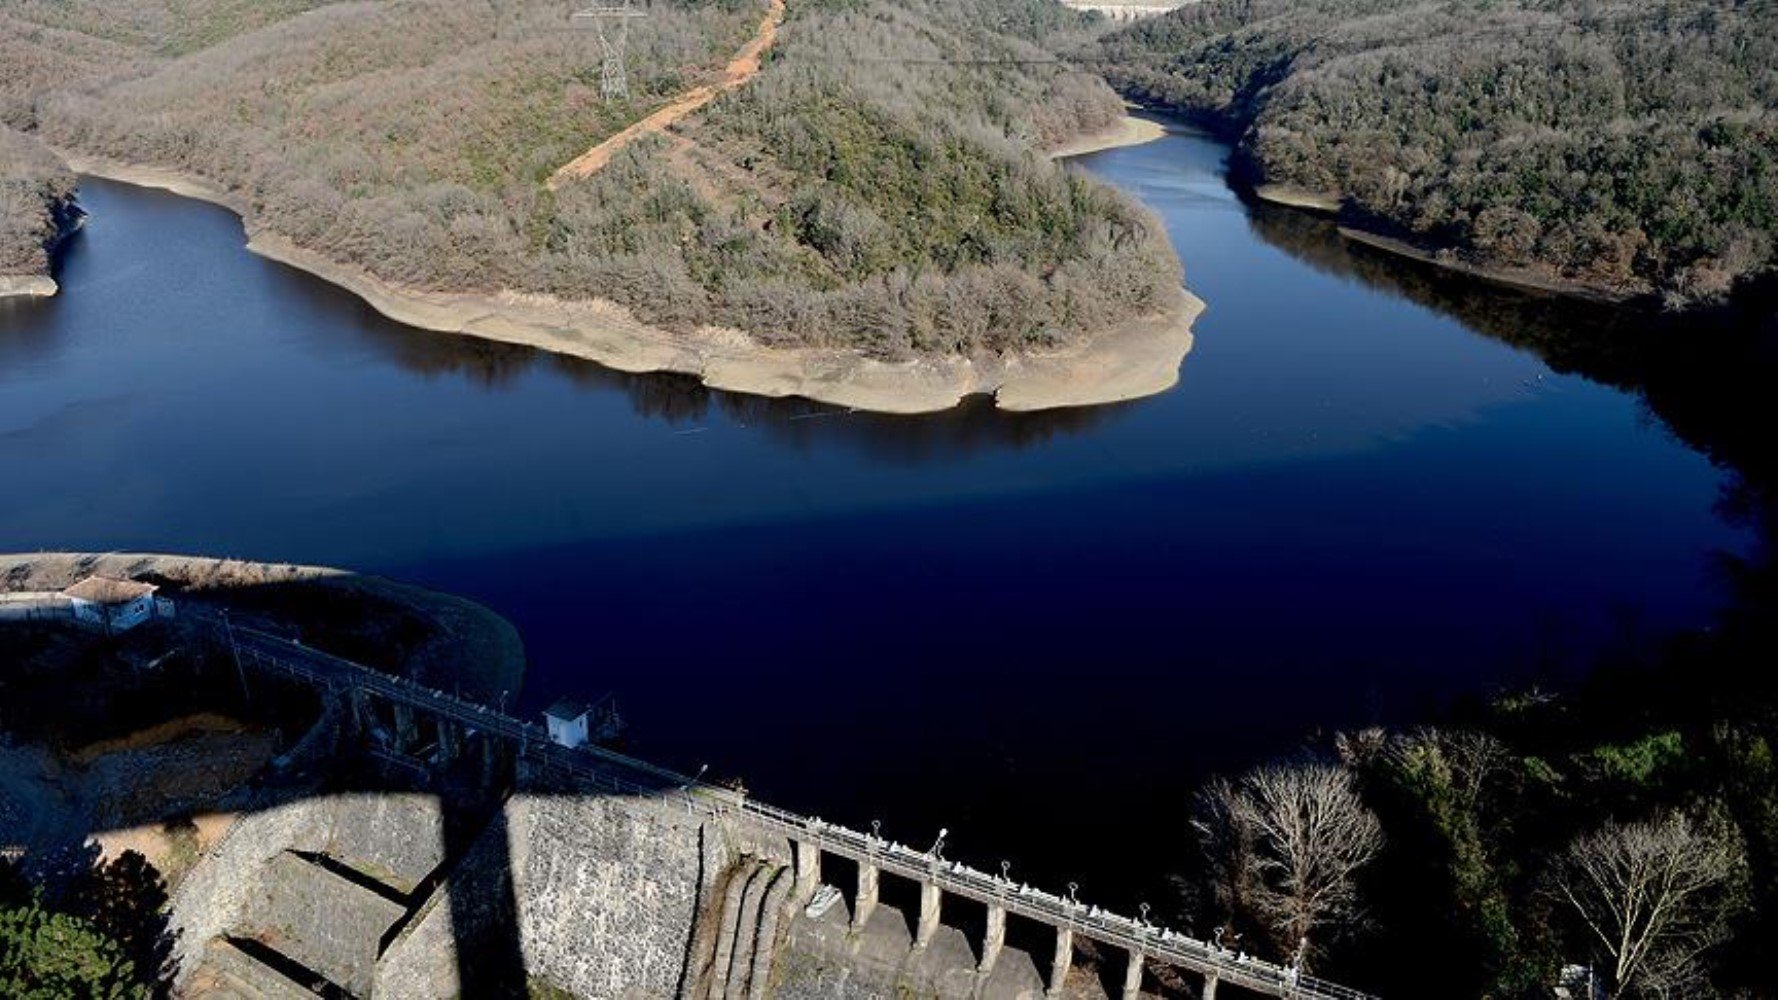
x,y
1706,375
681,400
26,338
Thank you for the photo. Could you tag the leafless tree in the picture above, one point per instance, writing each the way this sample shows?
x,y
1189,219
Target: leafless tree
x,y
1286,843
1655,896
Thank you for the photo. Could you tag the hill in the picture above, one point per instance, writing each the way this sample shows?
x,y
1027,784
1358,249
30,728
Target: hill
x,y
36,210
879,187
1627,147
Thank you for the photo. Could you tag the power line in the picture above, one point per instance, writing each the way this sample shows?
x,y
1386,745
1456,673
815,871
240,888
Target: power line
x,y
611,19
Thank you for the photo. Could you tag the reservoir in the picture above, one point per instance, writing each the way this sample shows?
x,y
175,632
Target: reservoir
x,y
1367,498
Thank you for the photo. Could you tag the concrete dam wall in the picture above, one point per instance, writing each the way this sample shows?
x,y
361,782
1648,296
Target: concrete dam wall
x,y
375,895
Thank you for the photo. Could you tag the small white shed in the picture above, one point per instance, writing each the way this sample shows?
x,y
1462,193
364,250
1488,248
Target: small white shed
x,y
567,722
112,604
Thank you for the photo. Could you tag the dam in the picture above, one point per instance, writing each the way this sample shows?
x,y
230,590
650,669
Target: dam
x,y
1127,10
600,875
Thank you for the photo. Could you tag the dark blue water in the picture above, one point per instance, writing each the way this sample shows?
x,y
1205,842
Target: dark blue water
x,y
1038,631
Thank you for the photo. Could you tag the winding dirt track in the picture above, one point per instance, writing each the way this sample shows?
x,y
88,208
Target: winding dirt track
x,y
743,67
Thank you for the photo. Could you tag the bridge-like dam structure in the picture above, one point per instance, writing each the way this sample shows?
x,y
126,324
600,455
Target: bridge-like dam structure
x,y
1127,10
409,722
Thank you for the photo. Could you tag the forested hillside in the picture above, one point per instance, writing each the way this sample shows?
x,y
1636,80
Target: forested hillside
x,y
866,190
36,195
1626,145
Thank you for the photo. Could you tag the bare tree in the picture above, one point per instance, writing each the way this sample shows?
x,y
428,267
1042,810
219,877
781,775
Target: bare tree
x,y
1287,842
1655,896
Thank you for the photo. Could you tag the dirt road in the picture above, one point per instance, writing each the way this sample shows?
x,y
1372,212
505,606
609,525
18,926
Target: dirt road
x,y
743,67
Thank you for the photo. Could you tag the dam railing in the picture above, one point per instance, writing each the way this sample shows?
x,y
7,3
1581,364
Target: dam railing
x,y
621,774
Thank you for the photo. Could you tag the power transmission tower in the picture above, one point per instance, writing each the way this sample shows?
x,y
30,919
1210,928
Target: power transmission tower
x,y
611,19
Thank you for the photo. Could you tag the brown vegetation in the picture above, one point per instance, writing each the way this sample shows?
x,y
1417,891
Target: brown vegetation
x,y
36,204
879,185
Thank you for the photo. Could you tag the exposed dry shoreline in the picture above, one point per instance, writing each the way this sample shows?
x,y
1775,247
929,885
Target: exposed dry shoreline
x,y
1515,277
1321,203
27,286
1291,196
1135,359
1130,131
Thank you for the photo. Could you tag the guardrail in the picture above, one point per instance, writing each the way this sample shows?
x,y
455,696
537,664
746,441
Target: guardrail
x,y
625,775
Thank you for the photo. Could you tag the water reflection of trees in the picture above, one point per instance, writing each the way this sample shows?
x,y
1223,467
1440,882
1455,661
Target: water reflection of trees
x,y
684,401
1706,376
27,334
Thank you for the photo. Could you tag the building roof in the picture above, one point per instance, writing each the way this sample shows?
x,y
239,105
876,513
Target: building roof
x,y
566,709
109,590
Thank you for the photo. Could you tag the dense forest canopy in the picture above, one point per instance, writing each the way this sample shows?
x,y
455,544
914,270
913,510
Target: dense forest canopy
x,y
1626,145
868,189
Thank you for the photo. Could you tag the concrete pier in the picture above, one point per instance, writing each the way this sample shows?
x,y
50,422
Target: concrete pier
x,y
1133,976
450,741
930,901
1209,988
406,731
866,900
994,940
807,858
364,716
1063,961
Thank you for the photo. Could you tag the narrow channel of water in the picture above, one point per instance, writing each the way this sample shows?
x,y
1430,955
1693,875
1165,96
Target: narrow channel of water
x,y
1036,631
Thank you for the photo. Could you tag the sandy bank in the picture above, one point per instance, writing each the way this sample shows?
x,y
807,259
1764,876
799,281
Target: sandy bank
x,y
27,286
1291,196
1137,358
1516,277
470,648
1131,131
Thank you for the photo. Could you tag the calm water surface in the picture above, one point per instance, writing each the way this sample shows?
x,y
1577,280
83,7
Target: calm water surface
x,y
1036,631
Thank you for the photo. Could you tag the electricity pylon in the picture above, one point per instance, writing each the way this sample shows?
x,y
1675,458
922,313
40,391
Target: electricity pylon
x,y
611,19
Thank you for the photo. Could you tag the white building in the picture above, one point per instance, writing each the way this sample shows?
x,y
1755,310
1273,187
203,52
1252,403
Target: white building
x,y
112,604
567,722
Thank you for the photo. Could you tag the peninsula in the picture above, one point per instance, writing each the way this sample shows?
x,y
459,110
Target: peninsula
x,y
764,209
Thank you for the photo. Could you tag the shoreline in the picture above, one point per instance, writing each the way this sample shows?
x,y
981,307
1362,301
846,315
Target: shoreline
x,y
1291,196
1137,358
1329,206
27,286
476,650
1512,277
1129,131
